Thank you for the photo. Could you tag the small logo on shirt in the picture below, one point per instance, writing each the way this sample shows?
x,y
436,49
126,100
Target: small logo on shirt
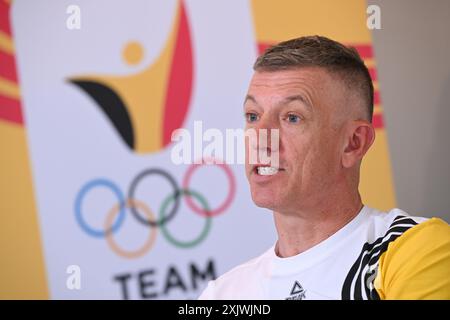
x,y
297,292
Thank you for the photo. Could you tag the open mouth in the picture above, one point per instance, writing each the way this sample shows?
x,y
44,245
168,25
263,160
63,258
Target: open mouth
x,y
267,170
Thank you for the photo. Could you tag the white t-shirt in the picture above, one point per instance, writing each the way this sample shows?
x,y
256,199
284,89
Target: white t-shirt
x,y
344,266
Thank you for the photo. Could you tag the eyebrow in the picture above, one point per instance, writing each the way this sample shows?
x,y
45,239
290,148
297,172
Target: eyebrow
x,y
289,99
251,98
300,98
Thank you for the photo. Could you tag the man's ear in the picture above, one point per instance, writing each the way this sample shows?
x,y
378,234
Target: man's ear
x,y
359,137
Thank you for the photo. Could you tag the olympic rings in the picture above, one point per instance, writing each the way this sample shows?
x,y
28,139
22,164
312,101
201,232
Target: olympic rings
x,y
116,214
109,238
78,214
133,189
228,199
206,228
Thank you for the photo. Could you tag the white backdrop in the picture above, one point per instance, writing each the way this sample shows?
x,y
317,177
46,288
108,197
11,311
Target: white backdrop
x,y
72,143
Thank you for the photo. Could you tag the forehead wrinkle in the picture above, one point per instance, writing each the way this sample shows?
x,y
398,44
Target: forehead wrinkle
x,y
296,92
298,97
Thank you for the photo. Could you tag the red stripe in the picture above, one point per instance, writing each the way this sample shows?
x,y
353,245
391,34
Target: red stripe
x,y
263,46
376,97
179,88
377,121
373,74
10,110
364,50
8,66
4,17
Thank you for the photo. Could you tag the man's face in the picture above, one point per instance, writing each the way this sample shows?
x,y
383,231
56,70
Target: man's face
x,y
305,105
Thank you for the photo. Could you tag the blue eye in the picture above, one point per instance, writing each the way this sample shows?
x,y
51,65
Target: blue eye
x,y
292,118
251,117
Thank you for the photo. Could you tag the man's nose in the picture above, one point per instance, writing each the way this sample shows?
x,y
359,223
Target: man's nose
x,y
267,135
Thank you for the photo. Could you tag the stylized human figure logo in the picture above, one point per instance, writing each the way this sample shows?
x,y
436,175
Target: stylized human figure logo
x,y
146,107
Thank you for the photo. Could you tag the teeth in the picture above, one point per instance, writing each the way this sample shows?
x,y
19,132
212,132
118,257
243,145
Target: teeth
x,y
267,171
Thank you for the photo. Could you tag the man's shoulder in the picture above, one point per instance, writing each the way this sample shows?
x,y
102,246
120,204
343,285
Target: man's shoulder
x,y
397,218
387,217
384,223
415,265
381,229
425,233
407,240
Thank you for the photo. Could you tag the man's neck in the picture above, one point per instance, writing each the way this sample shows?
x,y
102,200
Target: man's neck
x,y
307,228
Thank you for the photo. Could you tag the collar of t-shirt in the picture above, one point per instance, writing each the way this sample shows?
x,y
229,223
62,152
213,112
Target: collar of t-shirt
x,y
323,250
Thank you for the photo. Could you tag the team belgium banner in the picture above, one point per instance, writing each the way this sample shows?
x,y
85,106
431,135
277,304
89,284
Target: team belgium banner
x,y
87,184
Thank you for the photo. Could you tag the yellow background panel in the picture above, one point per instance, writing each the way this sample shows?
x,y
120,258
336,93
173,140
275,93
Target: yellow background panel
x,y
343,20
22,268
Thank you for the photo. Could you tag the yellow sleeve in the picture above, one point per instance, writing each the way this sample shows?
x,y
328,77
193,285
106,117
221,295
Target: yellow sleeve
x,y
417,264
